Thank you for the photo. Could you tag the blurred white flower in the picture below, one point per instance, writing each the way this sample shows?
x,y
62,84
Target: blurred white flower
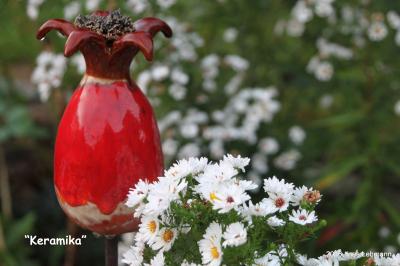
x,y
166,3
32,8
79,62
137,6
177,91
397,37
393,19
324,71
377,31
178,76
301,12
327,49
169,147
189,130
92,5
275,221
384,232
238,63
324,8
189,150
71,10
287,160
160,72
268,145
230,35
49,72
233,84
295,28
216,148
234,235
397,108
326,101
259,163
297,135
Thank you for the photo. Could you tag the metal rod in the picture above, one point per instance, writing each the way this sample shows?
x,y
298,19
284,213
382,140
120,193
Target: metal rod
x,y
111,251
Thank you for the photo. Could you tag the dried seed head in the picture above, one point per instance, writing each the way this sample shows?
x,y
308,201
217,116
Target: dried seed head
x,y
111,26
312,196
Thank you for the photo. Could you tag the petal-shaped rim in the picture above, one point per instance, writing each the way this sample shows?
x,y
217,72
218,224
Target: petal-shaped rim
x,y
141,40
61,25
152,26
78,38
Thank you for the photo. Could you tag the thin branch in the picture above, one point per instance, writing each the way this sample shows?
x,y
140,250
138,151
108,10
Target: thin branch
x,y
70,251
3,245
111,251
5,194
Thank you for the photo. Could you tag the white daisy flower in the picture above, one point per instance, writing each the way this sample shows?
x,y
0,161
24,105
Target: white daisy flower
x,y
230,197
162,193
186,263
164,239
133,257
303,217
158,260
274,186
279,192
263,208
148,229
270,259
275,221
136,195
210,245
280,201
235,235
298,194
236,162
217,173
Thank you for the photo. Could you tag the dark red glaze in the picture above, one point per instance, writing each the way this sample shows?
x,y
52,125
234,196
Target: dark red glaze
x,y
108,137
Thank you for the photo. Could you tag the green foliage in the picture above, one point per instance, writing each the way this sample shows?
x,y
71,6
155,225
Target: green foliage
x,y
17,251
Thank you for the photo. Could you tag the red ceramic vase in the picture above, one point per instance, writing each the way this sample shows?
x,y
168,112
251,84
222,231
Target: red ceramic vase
x,y
108,138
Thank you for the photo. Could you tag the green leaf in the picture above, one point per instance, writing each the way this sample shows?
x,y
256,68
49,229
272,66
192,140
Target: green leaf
x,y
19,228
338,171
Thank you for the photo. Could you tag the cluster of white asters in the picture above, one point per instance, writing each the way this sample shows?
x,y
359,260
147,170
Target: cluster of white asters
x,y
198,180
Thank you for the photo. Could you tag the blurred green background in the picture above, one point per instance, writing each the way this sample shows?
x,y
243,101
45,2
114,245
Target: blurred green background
x,y
334,66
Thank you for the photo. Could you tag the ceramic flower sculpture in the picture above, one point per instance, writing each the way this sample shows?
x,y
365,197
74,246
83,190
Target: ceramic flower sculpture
x,y
108,138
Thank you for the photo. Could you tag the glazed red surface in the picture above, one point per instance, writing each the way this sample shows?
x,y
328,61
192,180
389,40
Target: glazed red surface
x,y
107,141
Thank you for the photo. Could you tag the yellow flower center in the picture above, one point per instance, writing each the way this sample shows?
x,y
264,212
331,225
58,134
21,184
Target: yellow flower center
x,y
213,196
214,253
168,235
152,226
